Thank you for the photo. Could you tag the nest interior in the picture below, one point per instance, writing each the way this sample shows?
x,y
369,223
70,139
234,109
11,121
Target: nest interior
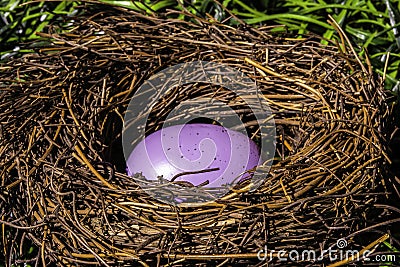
x,y
63,172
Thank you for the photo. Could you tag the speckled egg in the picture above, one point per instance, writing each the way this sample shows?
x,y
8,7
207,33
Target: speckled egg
x,y
202,154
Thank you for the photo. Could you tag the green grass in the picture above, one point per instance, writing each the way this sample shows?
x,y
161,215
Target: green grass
x,y
20,20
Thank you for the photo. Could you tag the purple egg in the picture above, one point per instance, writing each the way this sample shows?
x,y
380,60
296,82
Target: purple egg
x,y
196,153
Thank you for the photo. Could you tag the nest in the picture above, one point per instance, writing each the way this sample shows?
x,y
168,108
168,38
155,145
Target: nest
x,y
63,172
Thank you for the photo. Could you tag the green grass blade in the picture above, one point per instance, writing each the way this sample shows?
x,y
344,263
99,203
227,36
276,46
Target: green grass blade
x,y
347,7
394,18
249,9
296,17
134,5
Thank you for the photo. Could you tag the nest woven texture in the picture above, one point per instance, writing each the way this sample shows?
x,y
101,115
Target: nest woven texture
x,y
63,179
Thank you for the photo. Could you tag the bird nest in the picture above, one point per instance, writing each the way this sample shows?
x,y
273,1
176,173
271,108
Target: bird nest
x,y
63,178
